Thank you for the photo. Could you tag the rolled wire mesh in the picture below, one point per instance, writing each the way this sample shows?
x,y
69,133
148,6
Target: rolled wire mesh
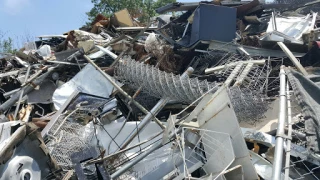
x,y
161,84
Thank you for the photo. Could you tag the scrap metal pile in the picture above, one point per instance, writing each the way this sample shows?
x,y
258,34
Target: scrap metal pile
x,y
215,90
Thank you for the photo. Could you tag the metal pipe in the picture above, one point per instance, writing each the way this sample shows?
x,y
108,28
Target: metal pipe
x,y
7,94
117,86
109,53
21,93
289,121
146,120
278,154
268,74
185,30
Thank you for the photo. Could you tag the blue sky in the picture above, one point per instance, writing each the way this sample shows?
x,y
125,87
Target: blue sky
x,y
20,18
31,18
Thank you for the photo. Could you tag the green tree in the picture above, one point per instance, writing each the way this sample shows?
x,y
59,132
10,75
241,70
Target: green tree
x,y
6,44
142,9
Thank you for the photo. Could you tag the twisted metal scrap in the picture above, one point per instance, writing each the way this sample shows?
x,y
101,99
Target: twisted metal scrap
x,y
161,84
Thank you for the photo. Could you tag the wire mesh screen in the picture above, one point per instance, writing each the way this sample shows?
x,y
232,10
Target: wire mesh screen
x,y
67,137
249,106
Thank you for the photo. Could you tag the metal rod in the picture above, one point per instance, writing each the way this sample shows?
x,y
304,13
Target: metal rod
x,y
121,151
185,30
146,120
115,40
293,58
21,93
278,154
109,53
139,158
66,63
268,74
135,161
11,73
289,121
64,120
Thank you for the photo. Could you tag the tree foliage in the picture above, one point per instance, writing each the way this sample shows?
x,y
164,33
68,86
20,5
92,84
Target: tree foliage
x,y
6,44
141,9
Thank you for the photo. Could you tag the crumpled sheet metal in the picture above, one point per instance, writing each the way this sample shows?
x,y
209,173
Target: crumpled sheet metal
x,y
88,80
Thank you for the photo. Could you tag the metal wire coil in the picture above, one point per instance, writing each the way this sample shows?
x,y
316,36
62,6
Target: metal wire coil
x,y
161,84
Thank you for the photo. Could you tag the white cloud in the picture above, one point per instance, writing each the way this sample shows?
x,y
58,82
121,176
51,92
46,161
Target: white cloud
x,y
14,6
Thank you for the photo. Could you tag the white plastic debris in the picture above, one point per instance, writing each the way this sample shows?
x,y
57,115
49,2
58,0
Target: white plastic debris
x,y
45,51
